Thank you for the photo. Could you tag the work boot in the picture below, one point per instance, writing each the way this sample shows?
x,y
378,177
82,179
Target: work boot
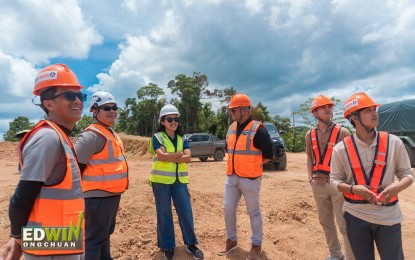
x,y
229,247
254,253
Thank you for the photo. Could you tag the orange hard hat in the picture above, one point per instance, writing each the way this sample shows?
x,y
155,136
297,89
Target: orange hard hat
x,y
239,100
56,75
357,101
320,101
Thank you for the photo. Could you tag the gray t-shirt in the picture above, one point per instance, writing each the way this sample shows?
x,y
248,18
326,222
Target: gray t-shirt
x,y
87,144
43,158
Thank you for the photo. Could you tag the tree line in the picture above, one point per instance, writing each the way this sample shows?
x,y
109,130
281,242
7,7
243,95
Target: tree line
x,y
140,113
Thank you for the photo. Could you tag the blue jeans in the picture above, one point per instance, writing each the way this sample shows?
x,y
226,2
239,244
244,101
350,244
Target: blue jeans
x,y
163,194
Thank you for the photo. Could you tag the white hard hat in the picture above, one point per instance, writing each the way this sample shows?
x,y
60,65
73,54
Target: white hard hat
x,y
169,109
101,98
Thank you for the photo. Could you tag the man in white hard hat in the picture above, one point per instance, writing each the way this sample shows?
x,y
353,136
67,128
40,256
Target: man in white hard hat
x,y
104,174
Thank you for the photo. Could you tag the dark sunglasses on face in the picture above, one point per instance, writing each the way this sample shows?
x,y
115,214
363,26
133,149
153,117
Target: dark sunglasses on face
x,y
71,96
233,110
170,119
114,108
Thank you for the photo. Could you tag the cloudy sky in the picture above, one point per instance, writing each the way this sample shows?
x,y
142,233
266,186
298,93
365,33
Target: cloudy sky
x,y
279,52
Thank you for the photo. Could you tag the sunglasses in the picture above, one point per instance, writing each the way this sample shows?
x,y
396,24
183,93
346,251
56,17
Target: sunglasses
x,y
233,110
71,96
114,108
171,119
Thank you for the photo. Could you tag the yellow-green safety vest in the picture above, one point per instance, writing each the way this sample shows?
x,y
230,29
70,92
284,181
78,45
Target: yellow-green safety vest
x,y
165,172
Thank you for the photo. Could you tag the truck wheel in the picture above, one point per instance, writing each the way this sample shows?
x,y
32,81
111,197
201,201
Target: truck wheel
x,y
203,159
411,154
281,165
218,156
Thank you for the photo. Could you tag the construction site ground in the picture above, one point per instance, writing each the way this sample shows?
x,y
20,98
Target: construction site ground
x,y
291,227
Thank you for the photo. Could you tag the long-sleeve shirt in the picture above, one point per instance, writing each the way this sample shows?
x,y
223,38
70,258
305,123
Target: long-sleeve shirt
x,y
397,164
262,140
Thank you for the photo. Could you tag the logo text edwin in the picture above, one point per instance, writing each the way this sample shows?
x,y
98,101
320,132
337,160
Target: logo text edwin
x,y
53,238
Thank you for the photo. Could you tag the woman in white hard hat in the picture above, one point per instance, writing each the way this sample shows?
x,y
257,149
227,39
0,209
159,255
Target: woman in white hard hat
x,y
169,179
104,170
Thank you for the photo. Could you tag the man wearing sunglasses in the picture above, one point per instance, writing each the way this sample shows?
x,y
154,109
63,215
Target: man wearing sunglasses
x,y
249,147
104,174
49,191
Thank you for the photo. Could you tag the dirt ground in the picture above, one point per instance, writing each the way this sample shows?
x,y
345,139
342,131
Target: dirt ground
x,y
291,228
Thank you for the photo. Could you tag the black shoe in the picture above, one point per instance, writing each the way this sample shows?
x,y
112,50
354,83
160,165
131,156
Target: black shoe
x,y
169,253
196,252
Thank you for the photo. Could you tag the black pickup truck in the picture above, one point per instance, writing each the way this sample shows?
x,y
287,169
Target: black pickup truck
x,y
204,146
280,156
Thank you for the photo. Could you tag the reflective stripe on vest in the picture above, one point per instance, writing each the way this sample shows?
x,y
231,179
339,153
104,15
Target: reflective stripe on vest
x,y
322,161
108,169
61,204
166,172
243,158
377,172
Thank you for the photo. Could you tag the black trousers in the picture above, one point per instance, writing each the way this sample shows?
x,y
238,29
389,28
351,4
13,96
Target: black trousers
x,y
363,234
100,216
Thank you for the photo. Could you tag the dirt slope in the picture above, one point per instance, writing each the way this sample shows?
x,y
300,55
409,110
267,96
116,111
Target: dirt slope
x,y
291,228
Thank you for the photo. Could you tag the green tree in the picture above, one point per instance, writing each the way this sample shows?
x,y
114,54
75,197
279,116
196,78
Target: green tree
x,y
208,120
148,98
223,120
258,114
189,90
81,125
282,123
264,109
308,118
294,140
18,124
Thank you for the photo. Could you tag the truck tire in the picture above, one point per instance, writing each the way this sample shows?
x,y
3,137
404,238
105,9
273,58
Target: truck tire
x,y
218,156
203,159
281,165
411,154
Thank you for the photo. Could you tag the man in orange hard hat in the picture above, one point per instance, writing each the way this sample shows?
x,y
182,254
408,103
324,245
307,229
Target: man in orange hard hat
x,y
364,167
329,202
49,193
249,146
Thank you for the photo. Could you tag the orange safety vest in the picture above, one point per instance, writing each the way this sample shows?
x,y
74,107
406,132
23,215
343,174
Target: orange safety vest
x,y
61,204
106,170
377,172
322,161
243,158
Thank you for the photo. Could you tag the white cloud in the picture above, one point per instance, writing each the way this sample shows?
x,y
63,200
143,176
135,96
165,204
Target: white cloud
x,y
16,77
254,6
279,52
40,30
